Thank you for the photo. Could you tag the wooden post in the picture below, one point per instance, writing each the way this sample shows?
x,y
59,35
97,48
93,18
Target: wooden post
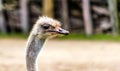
x,y
87,17
2,21
64,11
113,16
48,8
24,16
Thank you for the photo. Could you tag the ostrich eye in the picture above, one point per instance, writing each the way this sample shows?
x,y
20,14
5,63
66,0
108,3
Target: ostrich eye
x,y
46,26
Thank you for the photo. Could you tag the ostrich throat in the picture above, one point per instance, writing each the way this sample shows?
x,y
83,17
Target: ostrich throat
x,y
33,48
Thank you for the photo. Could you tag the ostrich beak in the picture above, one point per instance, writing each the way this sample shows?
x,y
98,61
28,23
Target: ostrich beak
x,y
62,31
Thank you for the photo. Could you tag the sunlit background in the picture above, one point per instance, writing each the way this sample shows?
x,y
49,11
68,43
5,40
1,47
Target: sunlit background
x,y
92,45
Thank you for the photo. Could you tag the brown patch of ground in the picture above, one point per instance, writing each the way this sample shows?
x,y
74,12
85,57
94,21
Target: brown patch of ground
x,y
59,55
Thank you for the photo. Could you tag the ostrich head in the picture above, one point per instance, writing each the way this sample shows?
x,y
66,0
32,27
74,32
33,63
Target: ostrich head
x,y
47,27
44,28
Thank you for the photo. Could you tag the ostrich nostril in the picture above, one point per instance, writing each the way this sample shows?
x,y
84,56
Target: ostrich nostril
x,y
60,30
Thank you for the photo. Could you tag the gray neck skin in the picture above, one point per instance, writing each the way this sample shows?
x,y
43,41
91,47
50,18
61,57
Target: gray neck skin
x,y
34,46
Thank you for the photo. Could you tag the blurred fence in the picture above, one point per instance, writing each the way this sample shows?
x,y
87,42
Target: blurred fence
x,y
78,16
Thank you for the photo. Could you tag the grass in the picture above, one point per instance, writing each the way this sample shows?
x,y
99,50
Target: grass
x,y
93,37
100,37
14,35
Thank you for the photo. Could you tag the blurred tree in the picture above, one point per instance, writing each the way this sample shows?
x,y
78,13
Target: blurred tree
x,y
113,16
48,8
24,16
8,1
2,22
87,17
64,11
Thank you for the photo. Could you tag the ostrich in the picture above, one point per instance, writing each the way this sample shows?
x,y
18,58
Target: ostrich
x,y
44,28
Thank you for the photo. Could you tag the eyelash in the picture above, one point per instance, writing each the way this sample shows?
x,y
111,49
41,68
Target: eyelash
x,y
46,27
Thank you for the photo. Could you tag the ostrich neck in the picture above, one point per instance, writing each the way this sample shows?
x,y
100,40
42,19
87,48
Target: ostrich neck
x,y
34,46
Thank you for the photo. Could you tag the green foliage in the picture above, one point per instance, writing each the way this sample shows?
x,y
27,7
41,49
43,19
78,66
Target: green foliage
x,y
101,37
14,35
97,37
